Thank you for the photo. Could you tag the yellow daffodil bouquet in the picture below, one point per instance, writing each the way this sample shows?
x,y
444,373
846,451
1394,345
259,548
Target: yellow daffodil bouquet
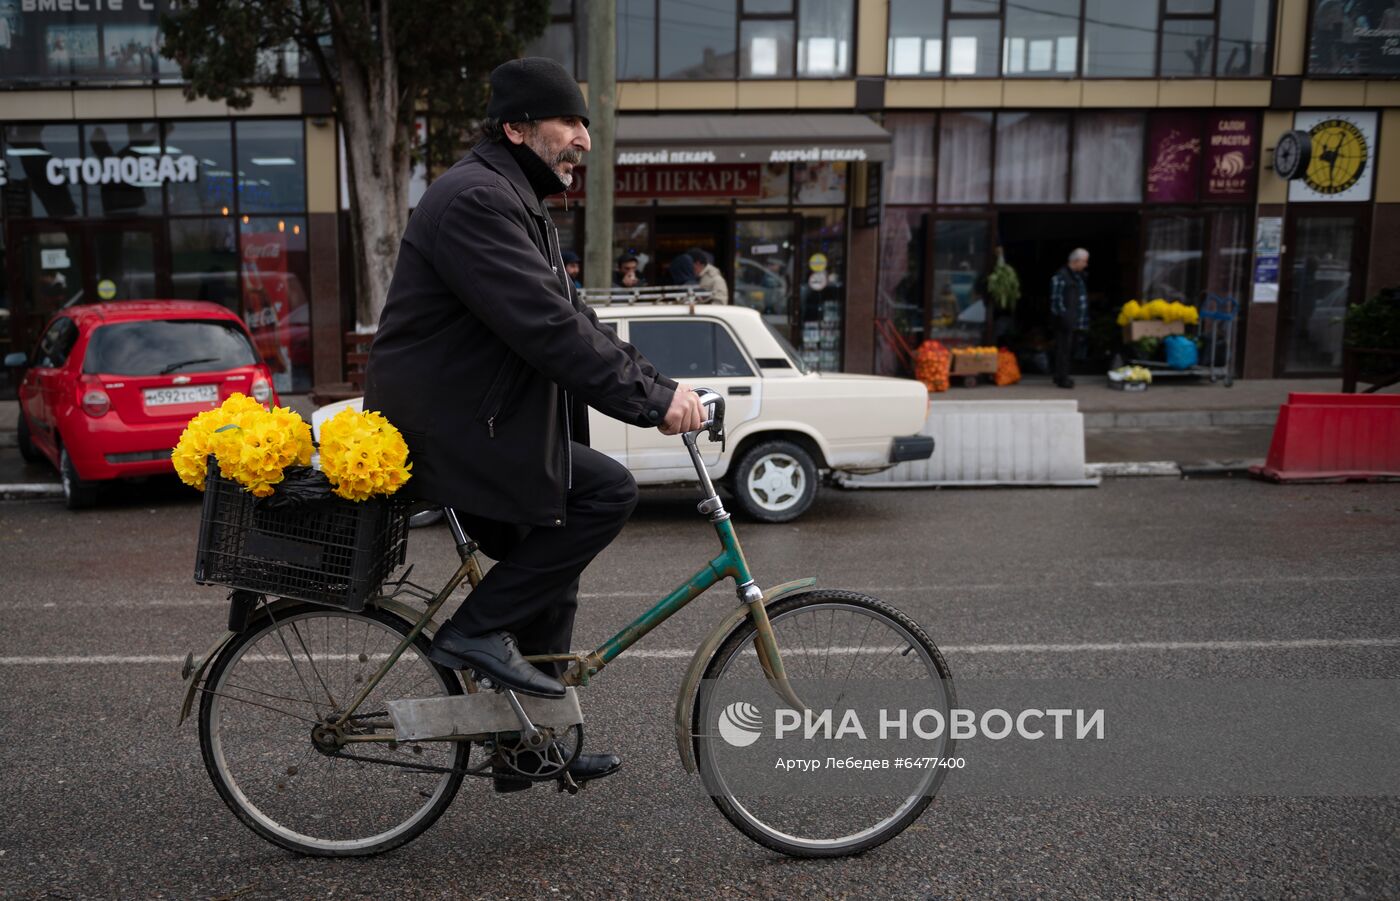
x,y
1158,309
362,454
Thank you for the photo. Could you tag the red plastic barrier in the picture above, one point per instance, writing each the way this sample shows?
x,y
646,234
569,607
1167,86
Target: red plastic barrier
x,y
1335,437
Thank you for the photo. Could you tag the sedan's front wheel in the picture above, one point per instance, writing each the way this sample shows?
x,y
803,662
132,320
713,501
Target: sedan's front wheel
x,y
775,481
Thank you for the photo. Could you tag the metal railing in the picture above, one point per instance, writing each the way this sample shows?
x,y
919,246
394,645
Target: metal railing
x,y
650,294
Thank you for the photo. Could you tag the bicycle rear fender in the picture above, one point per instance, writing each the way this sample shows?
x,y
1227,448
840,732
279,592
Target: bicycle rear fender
x,y
685,701
194,671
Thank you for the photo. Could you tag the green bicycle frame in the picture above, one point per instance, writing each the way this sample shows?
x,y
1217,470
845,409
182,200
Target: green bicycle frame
x,y
729,564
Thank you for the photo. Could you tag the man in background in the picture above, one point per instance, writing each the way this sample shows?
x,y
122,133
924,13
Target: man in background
x,y
1069,310
711,279
627,275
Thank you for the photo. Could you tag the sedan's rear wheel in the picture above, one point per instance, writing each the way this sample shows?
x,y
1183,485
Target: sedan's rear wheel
x,y
77,494
775,481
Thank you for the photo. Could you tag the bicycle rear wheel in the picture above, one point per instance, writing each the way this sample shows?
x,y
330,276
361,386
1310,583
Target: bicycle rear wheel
x,y
846,654
263,719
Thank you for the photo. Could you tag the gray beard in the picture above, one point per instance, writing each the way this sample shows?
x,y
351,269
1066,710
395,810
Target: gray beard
x,y
555,164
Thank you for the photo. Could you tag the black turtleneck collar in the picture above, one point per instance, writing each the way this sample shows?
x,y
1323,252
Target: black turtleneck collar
x,y
542,178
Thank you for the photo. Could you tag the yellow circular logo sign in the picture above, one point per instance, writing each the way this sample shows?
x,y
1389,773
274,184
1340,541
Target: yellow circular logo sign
x,y
106,289
1339,154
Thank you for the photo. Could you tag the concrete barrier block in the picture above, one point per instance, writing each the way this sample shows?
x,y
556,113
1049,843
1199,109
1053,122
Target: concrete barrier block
x,y
995,442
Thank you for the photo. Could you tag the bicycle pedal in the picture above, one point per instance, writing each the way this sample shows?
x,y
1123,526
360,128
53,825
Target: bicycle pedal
x,y
567,784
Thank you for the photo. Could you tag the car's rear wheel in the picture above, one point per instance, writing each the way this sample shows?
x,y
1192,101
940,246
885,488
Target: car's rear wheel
x,y
774,481
27,450
77,494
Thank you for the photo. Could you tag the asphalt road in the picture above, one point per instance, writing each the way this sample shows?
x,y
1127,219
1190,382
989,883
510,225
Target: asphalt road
x,y
104,797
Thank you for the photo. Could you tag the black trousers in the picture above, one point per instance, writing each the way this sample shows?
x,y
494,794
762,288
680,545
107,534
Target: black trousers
x,y
532,591
1064,348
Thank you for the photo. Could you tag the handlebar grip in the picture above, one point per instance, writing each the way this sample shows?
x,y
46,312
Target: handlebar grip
x,y
711,398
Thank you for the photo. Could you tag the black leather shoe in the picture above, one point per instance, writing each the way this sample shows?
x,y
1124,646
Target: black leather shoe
x,y
586,768
494,655
1066,383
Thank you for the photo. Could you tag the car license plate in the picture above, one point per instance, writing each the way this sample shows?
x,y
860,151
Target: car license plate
x,y
187,394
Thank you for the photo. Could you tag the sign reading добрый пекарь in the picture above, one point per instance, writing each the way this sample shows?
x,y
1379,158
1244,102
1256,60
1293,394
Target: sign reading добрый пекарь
x,y
138,171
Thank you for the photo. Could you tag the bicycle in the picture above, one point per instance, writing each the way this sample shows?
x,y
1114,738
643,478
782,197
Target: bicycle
x,y
330,733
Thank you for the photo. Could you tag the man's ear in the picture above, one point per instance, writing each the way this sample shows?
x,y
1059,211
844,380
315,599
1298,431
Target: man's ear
x,y
514,131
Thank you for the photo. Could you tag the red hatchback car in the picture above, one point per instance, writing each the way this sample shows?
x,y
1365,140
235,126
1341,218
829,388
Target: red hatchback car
x,y
111,386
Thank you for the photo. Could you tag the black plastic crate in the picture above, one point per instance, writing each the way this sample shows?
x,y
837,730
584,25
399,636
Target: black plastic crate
x,y
333,551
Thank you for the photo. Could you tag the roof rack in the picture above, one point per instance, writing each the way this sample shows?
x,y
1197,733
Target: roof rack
x,y
678,294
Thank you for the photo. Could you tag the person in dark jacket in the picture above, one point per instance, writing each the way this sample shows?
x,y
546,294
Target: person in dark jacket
x,y
487,360
1069,310
682,270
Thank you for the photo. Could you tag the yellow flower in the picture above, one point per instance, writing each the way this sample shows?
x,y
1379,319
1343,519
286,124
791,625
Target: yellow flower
x,y
363,455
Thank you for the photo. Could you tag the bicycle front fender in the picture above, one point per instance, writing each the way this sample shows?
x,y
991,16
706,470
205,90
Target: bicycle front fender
x,y
194,674
685,701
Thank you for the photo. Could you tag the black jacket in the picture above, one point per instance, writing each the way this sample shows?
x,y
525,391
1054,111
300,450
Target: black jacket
x,y
485,357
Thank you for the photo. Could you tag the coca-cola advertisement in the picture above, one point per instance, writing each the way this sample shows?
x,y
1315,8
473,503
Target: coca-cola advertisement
x,y
274,306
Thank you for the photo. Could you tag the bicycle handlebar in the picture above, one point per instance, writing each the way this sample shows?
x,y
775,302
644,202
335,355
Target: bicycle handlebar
x,y
711,398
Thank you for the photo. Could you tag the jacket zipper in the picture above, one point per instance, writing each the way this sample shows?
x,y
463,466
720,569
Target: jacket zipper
x,y
556,254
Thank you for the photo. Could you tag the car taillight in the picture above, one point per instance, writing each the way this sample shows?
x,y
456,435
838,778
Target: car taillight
x,y
262,390
96,402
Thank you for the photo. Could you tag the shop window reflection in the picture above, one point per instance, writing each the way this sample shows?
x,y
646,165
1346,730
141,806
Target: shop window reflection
x,y
902,287
204,261
697,41
822,290
29,149
271,166
120,141
1171,258
273,269
211,144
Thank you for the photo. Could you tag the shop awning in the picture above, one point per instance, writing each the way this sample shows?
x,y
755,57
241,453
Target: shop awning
x,y
755,138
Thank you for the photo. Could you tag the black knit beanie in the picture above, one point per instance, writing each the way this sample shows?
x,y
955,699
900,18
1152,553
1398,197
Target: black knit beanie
x,y
534,88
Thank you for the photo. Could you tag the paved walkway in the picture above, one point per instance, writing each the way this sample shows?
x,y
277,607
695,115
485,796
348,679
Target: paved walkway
x,y
1095,397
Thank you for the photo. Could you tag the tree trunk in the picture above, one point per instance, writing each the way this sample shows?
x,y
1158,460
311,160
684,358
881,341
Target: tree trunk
x,y
377,155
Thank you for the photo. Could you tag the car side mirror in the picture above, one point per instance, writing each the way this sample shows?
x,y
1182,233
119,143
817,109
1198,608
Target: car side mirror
x,y
16,360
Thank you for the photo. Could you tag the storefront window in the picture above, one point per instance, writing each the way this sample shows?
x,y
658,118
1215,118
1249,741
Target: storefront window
x,y
40,185
271,166
909,177
557,43
974,47
764,268
117,142
1171,258
916,38
1323,253
211,143
1108,158
1188,48
824,37
964,147
1229,253
1032,157
765,48
204,260
902,289
819,184
275,300
1353,38
1120,38
958,311
1244,38
633,239
636,39
822,289
1042,38
697,41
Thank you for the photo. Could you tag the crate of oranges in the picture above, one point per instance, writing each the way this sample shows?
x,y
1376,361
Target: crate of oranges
x,y
974,361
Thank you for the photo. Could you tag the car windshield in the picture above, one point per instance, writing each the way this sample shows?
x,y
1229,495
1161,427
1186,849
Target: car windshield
x,y
160,346
787,347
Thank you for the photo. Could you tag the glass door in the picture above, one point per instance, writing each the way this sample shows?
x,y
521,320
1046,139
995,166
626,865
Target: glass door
x,y
957,307
1323,277
46,270
765,258
122,259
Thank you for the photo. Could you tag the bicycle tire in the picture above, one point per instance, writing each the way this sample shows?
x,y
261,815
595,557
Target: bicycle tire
x,y
744,635
230,794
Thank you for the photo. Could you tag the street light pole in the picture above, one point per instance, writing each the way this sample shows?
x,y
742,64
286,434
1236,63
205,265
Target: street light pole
x,y
602,105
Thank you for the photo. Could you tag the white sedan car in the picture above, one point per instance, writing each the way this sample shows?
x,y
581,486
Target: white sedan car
x,y
785,426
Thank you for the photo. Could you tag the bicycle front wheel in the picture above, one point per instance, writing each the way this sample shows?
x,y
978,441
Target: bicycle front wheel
x,y
267,730
808,784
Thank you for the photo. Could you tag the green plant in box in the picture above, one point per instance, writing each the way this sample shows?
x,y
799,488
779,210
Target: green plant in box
x,y
1147,348
1376,322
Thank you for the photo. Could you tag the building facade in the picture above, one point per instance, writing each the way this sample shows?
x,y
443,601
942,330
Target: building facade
x,y
852,166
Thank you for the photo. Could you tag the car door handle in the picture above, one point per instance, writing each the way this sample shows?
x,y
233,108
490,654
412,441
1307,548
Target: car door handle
x,y
739,390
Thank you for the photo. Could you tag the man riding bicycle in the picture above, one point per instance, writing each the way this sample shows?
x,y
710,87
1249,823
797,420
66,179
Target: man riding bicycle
x,y
487,360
